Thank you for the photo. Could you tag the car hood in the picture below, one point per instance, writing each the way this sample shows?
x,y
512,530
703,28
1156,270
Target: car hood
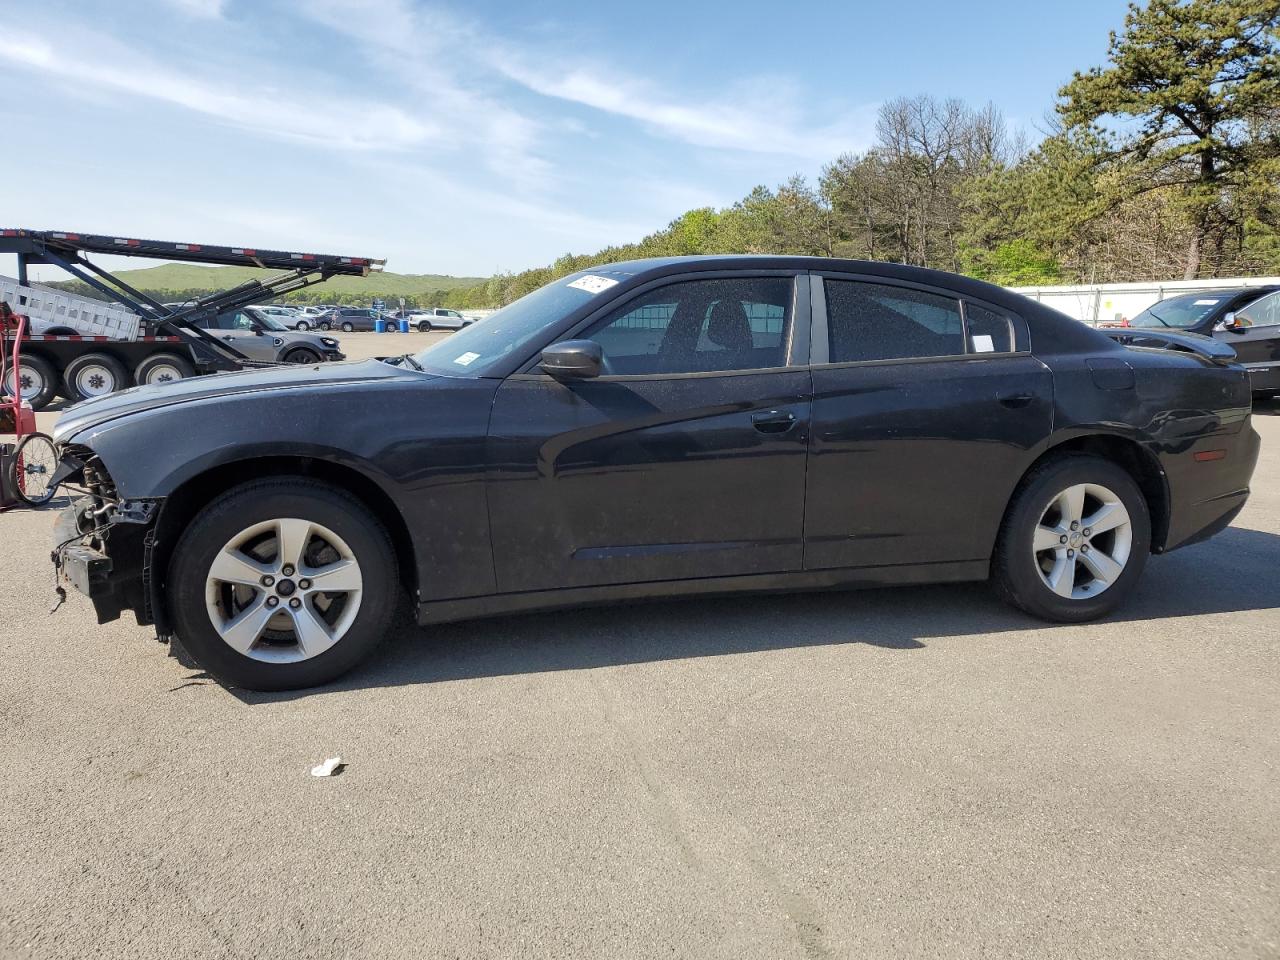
x,y
91,413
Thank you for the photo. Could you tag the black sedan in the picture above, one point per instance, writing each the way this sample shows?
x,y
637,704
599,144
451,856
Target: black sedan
x,y
655,428
1245,318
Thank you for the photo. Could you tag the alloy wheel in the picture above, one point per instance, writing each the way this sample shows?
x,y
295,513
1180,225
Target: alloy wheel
x,y
283,590
1083,541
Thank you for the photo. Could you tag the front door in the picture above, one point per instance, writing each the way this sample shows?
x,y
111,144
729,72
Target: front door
x,y
685,459
1255,337
925,412
238,329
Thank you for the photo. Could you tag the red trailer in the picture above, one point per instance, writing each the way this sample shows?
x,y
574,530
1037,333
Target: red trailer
x,y
27,465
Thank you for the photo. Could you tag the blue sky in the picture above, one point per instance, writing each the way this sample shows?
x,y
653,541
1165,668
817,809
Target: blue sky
x,y
468,138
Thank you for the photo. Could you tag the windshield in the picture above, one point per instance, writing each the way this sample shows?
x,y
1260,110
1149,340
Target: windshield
x,y
269,322
475,350
1180,312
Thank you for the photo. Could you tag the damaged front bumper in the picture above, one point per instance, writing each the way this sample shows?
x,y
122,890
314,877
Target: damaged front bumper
x,y
102,550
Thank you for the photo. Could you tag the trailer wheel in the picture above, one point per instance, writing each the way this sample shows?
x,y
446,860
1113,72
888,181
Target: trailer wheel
x,y
162,368
94,375
37,381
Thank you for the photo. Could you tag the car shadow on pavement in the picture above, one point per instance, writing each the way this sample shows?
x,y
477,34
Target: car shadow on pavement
x,y
1233,572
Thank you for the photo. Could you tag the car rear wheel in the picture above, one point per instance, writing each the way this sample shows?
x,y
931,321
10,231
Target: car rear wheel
x,y
347,327
35,381
94,375
1074,540
162,368
282,583
424,326
302,355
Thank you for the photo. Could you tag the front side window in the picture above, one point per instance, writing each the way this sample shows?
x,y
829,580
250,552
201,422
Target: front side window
x,y
1264,312
699,326
872,321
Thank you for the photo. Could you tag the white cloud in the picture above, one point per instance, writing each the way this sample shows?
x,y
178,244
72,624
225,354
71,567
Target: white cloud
x,y
103,63
204,9
436,50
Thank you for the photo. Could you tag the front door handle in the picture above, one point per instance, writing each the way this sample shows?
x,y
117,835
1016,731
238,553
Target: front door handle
x,y
773,421
1014,400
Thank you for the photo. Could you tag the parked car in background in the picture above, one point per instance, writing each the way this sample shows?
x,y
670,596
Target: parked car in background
x,y
1245,318
260,336
437,318
680,426
288,316
350,319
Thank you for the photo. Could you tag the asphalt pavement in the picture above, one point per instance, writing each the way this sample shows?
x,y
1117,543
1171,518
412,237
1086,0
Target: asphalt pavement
x,y
920,772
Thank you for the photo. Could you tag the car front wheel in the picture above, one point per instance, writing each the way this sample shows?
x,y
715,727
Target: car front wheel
x,y
1074,540
282,583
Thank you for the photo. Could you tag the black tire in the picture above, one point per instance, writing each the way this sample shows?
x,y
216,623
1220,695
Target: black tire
x,y
347,327
424,326
302,355
264,500
1014,571
59,332
36,374
34,451
94,369
324,325
302,325
163,368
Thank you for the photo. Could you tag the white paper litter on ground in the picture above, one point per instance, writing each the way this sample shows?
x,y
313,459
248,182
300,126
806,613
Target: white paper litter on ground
x,y
327,768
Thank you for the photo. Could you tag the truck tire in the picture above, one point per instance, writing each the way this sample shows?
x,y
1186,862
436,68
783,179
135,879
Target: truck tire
x,y
37,381
94,375
424,326
162,368
283,583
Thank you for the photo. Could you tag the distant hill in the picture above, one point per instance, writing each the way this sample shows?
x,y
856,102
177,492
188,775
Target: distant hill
x,y
182,281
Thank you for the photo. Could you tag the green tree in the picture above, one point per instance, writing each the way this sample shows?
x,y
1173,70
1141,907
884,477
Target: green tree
x,y
1187,83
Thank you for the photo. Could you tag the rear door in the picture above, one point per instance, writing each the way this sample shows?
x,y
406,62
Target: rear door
x,y
926,406
686,459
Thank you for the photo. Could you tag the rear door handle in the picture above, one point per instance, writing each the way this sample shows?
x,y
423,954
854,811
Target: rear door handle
x,y
1014,400
773,421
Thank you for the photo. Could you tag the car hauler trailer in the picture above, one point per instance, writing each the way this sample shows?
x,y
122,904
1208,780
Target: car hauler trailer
x,y
88,348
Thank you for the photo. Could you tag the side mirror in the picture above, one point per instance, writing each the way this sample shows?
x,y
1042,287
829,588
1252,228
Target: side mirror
x,y
573,359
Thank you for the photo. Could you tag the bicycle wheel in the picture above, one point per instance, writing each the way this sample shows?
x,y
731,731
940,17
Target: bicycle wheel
x,y
32,468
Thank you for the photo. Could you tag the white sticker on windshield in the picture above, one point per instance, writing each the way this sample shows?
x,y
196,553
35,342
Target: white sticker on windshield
x,y
1205,303
467,358
593,284
982,343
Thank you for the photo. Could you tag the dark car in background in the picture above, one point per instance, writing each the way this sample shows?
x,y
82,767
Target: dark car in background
x,y
351,319
655,428
1245,318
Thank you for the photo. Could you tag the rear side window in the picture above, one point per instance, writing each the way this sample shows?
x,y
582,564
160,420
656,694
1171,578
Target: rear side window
x,y
989,332
871,321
